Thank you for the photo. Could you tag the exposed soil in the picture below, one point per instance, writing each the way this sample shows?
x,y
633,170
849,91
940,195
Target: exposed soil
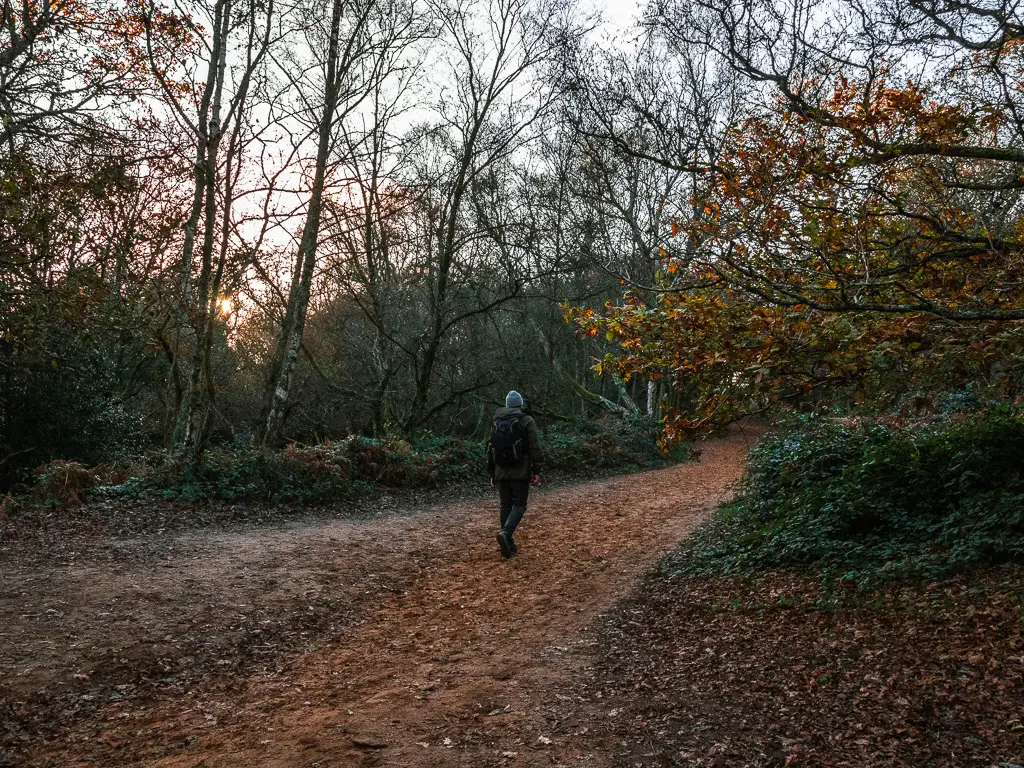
x,y
402,641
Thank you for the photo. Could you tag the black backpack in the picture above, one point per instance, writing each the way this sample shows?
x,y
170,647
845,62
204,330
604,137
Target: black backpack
x,y
508,442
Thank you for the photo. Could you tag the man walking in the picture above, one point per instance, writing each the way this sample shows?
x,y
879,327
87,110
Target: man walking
x,y
514,460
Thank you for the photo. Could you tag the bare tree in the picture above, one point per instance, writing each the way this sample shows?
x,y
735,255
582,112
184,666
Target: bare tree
x,y
649,123
240,36
368,245
361,38
505,73
69,69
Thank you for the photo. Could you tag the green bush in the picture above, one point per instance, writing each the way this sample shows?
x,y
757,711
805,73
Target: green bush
x,y
337,470
862,501
323,472
614,444
61,388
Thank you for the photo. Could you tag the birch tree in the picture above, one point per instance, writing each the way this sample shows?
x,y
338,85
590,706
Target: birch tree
x,y
232,53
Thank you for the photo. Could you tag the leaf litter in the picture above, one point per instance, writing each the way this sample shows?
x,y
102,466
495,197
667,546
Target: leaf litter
x,y
333,639
706,671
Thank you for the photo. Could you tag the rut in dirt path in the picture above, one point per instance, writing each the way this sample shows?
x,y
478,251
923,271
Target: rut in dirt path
x,y
445,655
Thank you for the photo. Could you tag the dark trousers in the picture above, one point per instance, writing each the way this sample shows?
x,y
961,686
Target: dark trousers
x,y
513,495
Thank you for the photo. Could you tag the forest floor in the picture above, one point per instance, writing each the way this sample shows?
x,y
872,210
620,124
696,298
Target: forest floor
x,y
406,640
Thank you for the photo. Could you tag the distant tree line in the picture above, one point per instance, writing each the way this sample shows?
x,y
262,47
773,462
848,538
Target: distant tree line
x,y
254,221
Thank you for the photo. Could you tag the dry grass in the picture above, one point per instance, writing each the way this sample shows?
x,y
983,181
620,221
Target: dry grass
x,y
63,483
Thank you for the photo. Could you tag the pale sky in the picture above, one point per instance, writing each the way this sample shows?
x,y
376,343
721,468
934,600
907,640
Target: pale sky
x,y
619,13
619,18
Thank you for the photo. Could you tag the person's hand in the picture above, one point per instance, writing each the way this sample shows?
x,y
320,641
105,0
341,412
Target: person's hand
x,y
535,480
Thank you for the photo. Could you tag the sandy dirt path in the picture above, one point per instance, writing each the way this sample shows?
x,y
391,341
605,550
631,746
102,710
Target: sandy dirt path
x,y
405,641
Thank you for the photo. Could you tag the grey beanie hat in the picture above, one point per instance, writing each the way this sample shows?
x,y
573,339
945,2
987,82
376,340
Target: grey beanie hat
x,y
513,400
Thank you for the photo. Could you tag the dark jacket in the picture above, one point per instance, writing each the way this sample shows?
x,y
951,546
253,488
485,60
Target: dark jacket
x,y
528,465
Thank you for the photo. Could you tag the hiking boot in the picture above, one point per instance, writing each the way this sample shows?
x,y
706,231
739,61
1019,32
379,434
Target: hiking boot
x,y
512,542
505,542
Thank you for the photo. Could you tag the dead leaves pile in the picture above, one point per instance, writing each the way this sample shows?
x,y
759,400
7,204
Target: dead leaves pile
x,y
709,672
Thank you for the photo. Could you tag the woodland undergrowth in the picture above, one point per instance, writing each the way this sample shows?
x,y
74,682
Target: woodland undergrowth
x,y
335,470
866,501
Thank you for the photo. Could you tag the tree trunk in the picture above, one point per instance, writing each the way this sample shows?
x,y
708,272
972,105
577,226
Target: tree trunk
x,y
213,279
204,203
279,389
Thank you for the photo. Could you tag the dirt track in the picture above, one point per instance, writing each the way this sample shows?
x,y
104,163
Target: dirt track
x,y
400,642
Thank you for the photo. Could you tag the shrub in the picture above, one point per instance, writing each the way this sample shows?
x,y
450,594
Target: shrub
x,y
62,483
323,472
67,359
614,444
867,502
341,469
